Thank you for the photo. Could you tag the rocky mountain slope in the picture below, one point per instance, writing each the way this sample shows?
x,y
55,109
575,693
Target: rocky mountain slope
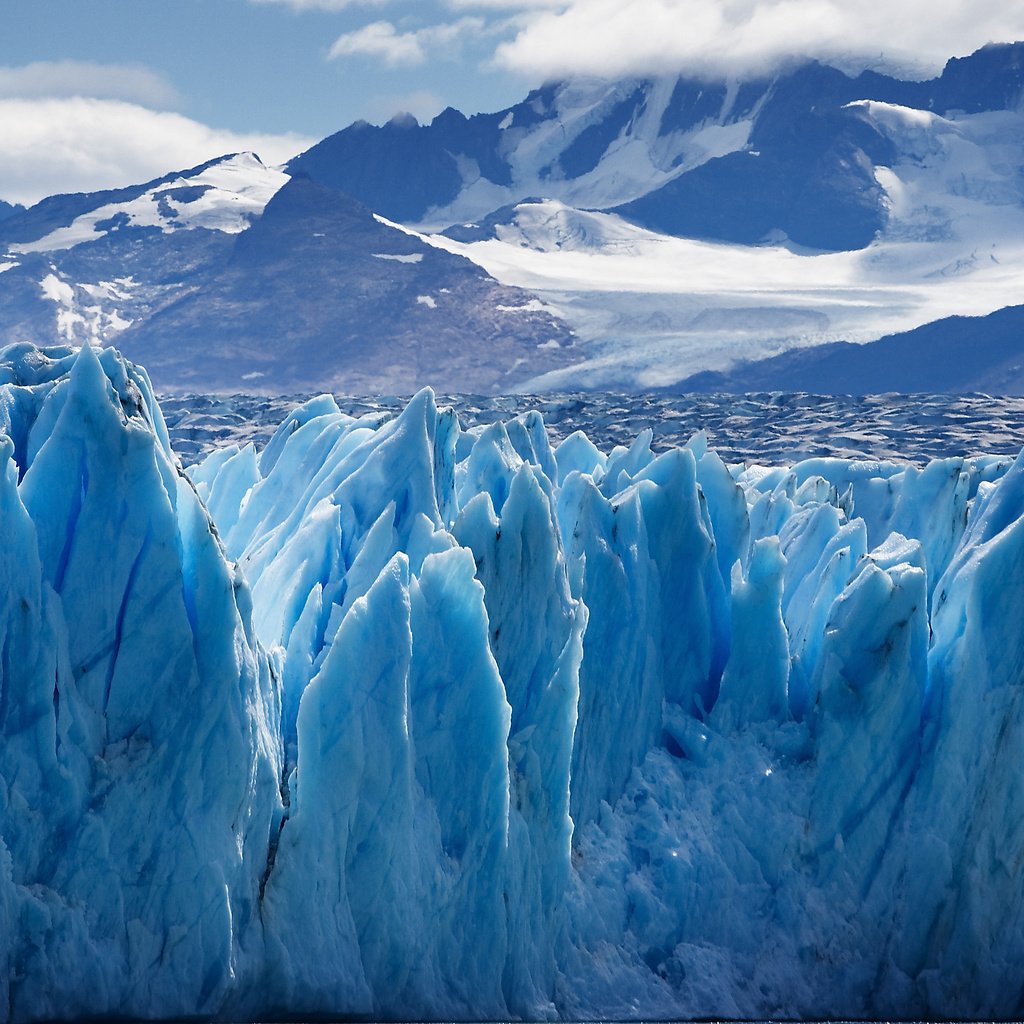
x,y
235,276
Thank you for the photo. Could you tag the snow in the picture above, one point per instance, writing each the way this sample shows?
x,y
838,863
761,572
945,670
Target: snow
x,y
121,288
402,721
412,257
85,312
533,306
7,265
234,190
640,160
427,300
63,296
651,309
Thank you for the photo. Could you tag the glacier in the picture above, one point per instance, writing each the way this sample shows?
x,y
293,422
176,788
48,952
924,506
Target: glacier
x,y
400,719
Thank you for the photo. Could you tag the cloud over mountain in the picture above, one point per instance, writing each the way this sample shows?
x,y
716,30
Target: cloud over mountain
x,y
609,38
61,144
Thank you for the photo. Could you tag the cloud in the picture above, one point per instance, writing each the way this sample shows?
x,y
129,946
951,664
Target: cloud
x,y
379,39
422,104
77,145
321,5
83,78
721,37
509,5
383,40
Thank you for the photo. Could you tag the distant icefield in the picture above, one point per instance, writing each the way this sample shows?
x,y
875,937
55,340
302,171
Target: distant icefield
x,y
401,720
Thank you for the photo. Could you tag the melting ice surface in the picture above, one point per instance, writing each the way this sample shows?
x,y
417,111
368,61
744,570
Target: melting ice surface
x,y
445,723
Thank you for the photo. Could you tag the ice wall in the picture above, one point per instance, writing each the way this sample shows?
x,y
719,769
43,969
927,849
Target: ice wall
x,y
139,715
449,724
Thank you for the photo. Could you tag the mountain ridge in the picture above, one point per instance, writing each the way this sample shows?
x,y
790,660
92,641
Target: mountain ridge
x,y
797,121
625,234
957,354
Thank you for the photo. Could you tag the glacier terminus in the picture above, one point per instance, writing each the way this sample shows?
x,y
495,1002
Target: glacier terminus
x,y
400,719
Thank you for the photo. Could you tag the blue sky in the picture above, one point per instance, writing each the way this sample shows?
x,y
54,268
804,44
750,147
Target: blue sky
x,y
98,93
267,66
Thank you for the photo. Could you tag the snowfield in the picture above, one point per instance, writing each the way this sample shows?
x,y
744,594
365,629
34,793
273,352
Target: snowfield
x,y
402,720
225,196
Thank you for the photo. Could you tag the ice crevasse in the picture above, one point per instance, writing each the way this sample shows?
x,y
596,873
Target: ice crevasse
x,y
396,719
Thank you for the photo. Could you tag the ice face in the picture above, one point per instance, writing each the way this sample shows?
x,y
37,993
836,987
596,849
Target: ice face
x,y
446,723
141,748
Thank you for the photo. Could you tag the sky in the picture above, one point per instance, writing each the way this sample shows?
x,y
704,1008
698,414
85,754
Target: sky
x,y
101,93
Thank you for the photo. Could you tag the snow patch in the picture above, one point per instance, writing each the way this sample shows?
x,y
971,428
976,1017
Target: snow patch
x,y
533,306
412,257
224,197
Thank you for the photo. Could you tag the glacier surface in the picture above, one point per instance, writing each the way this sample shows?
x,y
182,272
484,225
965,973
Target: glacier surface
x,y
398,719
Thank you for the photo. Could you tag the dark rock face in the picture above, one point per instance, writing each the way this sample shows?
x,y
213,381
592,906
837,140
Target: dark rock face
x,y
320,294
10,209
403,168
311,293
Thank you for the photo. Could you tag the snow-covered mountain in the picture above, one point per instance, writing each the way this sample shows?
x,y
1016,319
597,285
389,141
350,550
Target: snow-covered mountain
x,y
736,161
236,276
688,227
625,235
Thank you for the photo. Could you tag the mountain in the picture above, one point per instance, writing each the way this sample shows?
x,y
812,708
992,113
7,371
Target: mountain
x,y
954,355
9,209
734,161
235,276
682,226
89,265
620,235
319,293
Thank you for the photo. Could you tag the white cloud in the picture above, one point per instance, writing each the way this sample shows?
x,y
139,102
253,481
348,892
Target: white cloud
x,y
321,5
509,5
382,39
83,78
612,38
379,39
76,145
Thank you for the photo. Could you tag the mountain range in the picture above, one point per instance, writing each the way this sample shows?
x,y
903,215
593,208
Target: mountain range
x,y
629,234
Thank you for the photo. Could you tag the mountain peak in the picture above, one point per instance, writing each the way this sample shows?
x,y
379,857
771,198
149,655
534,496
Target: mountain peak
x,y
402,120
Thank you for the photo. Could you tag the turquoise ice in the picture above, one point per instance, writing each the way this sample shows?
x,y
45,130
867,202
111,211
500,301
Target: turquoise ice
x,y
397,719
